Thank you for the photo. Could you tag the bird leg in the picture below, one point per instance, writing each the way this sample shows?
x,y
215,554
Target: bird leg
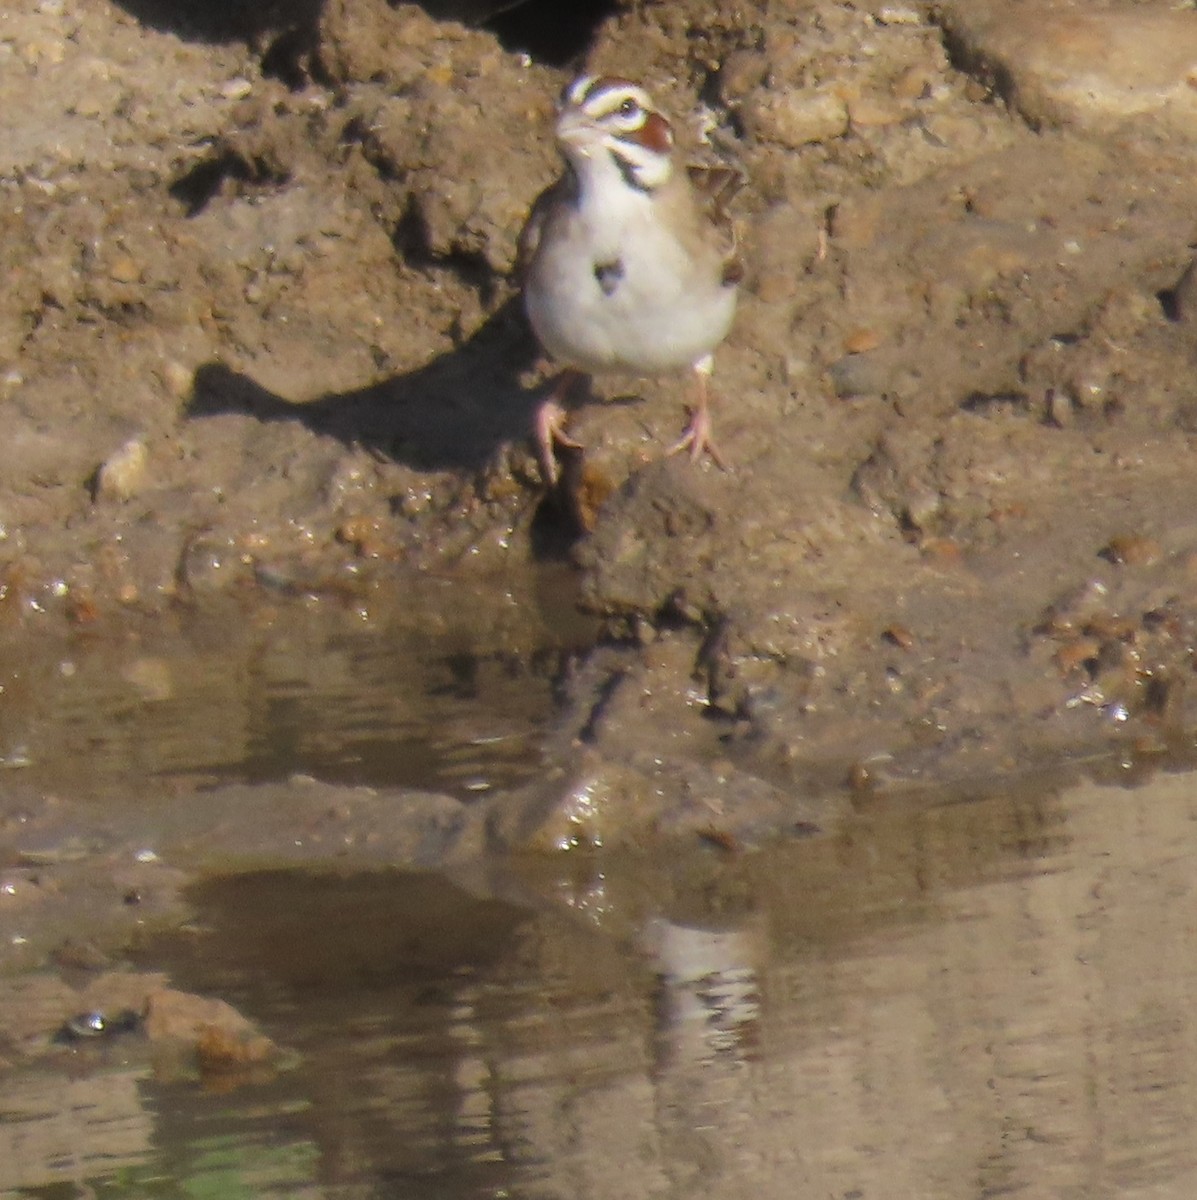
x,y
698,438
550,427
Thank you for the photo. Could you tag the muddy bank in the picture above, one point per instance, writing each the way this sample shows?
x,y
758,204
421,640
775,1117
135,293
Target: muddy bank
x,y
260,341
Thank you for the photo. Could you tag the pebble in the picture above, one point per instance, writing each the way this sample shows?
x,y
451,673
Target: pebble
x,y
125,269
1132,550
178,379
1058,408
236,88
859,341
124,473
913,84
898,635
897,14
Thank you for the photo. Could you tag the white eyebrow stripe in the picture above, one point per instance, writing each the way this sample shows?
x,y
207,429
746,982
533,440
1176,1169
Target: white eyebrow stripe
x,y
576,92
605,100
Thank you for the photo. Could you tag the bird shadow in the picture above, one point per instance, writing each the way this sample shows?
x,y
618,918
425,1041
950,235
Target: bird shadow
x,y
456,412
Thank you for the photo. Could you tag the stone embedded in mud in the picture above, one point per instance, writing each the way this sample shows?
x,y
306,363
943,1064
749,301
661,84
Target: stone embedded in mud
x,y
795,118
1132,550
126,269
124,473
179,379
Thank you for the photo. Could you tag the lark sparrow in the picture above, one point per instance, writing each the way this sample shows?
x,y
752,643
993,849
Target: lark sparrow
x,y
628,263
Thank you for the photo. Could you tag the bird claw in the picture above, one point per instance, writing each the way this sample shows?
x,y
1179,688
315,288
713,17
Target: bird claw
x,y
698,438
550,434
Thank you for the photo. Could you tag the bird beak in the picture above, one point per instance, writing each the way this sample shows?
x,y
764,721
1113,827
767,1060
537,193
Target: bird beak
x,y
575,131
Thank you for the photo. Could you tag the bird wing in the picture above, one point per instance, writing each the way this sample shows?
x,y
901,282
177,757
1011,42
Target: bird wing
x,y
715,188
533,230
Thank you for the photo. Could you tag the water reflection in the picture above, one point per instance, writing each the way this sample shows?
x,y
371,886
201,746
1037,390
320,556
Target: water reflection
x,y
446,693
963,999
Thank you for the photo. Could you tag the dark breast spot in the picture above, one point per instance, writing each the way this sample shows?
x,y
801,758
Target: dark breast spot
x,y
608,275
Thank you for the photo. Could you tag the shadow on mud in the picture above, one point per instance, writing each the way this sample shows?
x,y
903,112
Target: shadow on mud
x,y
454,413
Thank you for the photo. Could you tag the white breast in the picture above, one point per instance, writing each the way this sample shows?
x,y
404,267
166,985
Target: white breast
x,y
659,310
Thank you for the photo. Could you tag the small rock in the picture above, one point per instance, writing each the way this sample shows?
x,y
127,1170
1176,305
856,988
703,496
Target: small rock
x,y
179,379
897,14
125,269
913,84
1132,550
942,549
1058,408
236,89
124,474
861,340
795,118
742,70
898,635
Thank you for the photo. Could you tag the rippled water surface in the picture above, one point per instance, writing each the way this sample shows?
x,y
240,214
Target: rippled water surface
x,y
985,997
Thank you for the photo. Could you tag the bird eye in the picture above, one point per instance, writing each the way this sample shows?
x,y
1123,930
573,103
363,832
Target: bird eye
x,y
629,108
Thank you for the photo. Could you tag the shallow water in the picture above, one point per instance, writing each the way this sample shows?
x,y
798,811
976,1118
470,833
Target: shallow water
x,y
988,996
445,690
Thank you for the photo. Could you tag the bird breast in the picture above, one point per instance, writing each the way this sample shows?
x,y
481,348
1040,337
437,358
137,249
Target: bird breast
x,y
614,289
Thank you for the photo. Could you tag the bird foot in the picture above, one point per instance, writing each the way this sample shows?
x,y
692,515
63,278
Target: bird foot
x,y
698,438
550,434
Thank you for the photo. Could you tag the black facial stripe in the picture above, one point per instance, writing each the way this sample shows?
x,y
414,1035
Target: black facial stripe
x,y
627,169
571,187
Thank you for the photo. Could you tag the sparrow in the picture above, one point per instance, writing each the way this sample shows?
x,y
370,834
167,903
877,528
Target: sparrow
x,y
628,262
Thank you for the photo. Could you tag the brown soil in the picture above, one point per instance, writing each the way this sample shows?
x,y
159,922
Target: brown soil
x,y
260,336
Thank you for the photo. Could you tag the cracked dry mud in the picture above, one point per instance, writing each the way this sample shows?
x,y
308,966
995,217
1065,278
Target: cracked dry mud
x,y
259,340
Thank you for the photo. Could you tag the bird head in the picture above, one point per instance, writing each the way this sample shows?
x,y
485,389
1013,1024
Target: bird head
x,y
603,119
